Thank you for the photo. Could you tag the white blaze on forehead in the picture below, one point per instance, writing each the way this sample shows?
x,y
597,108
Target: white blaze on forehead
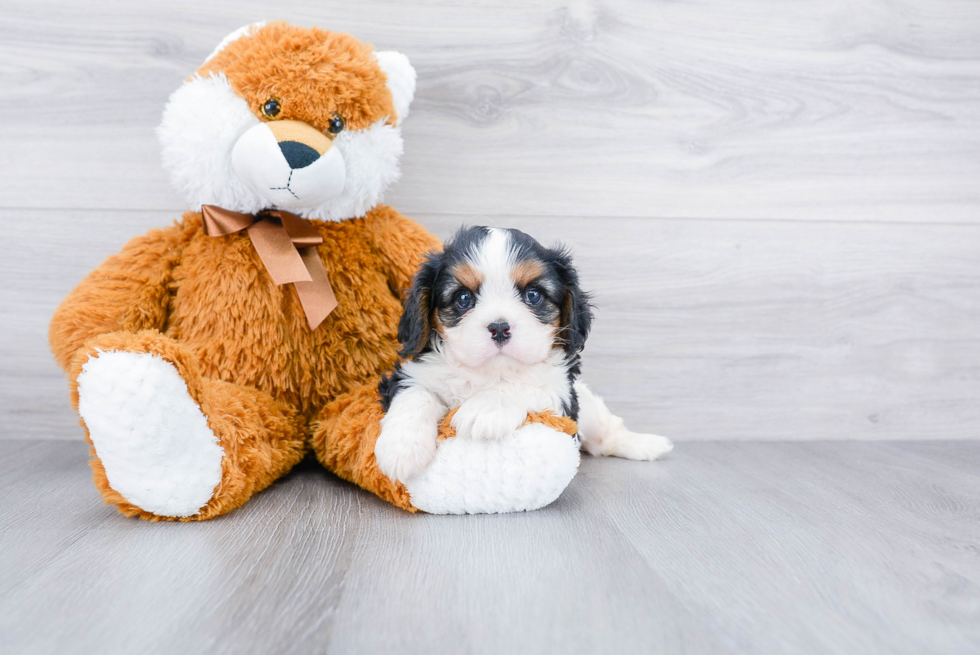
x,y
495,258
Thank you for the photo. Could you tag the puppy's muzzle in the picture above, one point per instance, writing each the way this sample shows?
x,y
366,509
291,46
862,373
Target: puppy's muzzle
x,y
499,332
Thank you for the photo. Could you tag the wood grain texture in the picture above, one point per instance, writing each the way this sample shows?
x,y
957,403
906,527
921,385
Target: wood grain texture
x,y
821,111
722,547
704,329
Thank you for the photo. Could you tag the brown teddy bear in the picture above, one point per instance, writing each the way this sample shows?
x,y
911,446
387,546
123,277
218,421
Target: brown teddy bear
x,y
207,358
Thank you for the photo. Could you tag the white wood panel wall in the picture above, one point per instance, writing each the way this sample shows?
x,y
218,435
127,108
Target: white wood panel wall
x,y
777,203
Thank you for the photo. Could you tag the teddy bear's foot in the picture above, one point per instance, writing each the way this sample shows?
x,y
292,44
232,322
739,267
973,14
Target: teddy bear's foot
x,y
525,471
150,435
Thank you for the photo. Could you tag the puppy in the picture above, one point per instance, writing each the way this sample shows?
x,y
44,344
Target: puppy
x,y
494,324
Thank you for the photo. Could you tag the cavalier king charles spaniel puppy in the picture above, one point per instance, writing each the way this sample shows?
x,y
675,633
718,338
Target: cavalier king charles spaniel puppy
x,y
494,324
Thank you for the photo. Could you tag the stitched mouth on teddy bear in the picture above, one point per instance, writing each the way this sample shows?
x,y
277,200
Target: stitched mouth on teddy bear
x,y
286,188
289,164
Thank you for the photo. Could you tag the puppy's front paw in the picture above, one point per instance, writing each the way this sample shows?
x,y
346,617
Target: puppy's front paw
x,y
487,416
405,450
632,445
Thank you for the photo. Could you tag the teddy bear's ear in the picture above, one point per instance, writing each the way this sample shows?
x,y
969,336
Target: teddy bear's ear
x,y
401,79
245,30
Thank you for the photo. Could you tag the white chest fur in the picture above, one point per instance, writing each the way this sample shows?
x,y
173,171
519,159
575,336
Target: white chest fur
x,y
537,387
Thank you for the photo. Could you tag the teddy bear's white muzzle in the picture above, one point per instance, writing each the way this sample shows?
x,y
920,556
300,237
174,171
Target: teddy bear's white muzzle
x,y
289,168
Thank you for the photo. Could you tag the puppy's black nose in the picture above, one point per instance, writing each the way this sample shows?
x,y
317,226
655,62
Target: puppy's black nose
x,y
298,155
499,331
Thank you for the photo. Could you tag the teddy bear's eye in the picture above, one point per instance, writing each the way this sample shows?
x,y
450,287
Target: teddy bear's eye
x,y
336,124
271,108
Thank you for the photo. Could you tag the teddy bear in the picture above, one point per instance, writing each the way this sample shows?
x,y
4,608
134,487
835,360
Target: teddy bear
x,y
208,358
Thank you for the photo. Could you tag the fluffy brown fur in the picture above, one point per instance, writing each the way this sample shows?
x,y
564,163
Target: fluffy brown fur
x,y
312,72
241,343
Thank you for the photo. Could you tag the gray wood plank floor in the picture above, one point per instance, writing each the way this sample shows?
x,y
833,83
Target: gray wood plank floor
x,y
823,547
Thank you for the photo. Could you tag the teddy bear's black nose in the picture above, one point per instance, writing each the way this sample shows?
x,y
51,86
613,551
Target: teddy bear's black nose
x,y
298,155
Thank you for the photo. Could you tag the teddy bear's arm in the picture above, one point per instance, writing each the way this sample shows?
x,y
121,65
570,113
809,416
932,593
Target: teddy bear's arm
x,y
128,291
402,244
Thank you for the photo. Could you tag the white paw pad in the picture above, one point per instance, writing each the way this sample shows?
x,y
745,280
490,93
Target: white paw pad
x,y
523,471
152,438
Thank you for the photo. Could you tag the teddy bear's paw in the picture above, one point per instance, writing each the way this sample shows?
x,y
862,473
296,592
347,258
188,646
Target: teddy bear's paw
x,y
152,438
525,470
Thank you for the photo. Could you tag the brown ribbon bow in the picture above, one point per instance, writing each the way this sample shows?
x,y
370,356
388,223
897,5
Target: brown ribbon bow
x,y
286,244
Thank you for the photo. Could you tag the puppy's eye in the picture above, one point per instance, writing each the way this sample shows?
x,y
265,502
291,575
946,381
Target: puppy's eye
x,y
336,124
533,297
464,300
271,108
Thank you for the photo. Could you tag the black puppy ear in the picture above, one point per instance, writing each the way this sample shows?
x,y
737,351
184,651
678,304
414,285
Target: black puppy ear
x,y
576,310
415,326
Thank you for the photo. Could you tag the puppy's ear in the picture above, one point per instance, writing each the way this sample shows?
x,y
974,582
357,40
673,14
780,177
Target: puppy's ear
x,y
415,326
576,310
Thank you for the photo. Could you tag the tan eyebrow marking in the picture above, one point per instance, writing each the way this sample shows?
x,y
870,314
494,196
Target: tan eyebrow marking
x,y
468,276
525,272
